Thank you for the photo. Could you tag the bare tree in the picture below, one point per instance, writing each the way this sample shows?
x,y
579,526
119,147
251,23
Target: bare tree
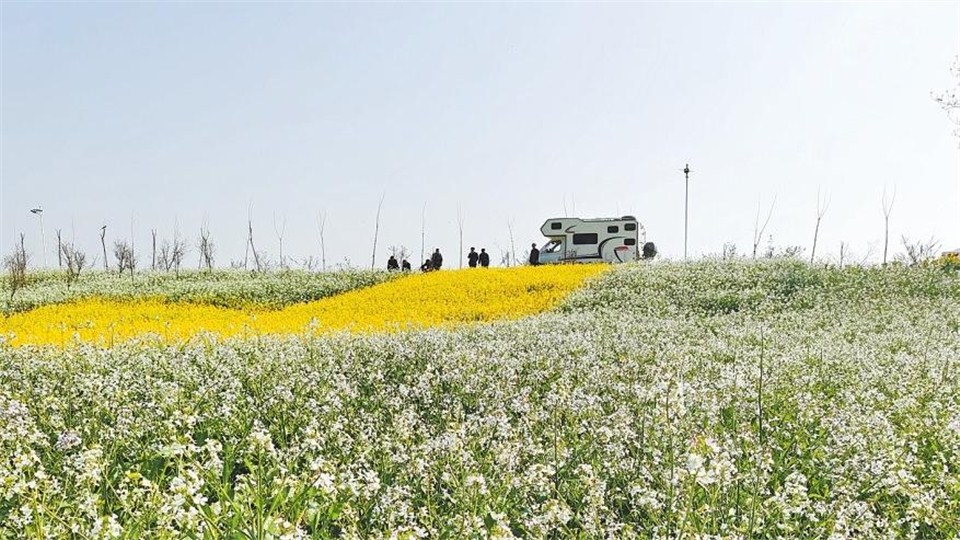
x,y
729,251
843,249
758,230
919,251
16,266
887,210
423,232
513,249
376,233
250,247
460,228
573,203
949,99
59,252
163,256
153,251
280,232
790,252
321,224
821,211
178,252
206,248
126,260
399,252
103,244
133,253
171,254
76,261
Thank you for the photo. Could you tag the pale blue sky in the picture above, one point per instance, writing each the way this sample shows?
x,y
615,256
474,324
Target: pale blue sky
x,y
169,113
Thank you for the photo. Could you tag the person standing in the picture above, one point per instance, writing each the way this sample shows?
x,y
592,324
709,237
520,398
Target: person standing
x,y
534,255
472,258
484,258
436,259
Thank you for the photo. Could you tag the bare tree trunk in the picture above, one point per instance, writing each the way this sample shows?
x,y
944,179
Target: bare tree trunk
x,y
153,252
887,209
59,250
376,232
256,258
133,254
206,248
321,223
842,248
103,244
246,251
423,232
513,250
460,227
757,229
821,211
280,232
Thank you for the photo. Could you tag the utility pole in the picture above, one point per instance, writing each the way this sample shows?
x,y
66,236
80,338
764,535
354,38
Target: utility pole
x,y
43,242
686,207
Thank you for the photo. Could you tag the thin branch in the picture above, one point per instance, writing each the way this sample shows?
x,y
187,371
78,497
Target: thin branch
x,y
757,229
321,224
887,210
821,211
423,231
460,227
376,232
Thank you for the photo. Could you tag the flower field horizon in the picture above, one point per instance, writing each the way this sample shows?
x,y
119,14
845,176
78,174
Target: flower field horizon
x,y
412,301
709,400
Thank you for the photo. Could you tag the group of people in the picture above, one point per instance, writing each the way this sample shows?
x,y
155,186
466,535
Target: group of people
x,y
393,265
482,258
435,262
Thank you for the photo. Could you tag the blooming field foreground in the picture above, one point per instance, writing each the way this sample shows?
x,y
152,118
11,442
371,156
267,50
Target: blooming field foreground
x,y
416,301
670,401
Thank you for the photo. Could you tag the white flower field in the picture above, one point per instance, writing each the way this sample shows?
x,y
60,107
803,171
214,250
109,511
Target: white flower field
x,y
709,400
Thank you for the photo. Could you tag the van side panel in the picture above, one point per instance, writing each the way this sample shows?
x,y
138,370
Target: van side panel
x,y
611,239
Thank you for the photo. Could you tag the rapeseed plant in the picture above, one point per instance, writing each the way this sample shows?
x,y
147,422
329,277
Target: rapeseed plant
x,y
416,301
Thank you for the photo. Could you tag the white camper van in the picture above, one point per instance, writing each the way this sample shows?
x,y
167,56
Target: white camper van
x,y
592,240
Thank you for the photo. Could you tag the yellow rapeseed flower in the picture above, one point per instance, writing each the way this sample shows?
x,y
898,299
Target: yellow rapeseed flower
x,y
418,301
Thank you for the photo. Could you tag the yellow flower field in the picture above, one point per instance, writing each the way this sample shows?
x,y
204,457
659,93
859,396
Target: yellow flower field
x,y
418,301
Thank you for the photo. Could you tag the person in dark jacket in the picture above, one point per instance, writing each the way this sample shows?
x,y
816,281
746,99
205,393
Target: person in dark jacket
x,y
484,258
392,264
427,266
472,258
534,255
405,265
436,259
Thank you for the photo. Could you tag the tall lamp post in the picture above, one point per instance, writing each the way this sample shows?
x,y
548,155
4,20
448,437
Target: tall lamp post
x,y
686,207
43,242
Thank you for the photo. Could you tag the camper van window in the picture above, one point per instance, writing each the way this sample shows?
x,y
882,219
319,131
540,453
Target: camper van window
x,y
630,241
613,229
555,226
584,238
630,227
551,247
